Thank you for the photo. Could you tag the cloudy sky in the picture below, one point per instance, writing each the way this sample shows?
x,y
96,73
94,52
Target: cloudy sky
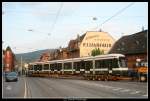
x,y
31,26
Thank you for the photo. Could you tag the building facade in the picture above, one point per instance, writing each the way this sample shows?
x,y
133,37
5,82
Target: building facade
x,y
133,47
8,60
92,40
81,46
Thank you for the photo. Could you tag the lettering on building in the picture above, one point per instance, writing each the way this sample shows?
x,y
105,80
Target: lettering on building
x,y
96,45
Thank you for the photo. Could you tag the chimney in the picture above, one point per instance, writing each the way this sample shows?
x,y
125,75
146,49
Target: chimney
x,y
100,30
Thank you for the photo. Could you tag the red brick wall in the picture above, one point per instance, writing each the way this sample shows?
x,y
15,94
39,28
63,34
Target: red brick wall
x,y
131,59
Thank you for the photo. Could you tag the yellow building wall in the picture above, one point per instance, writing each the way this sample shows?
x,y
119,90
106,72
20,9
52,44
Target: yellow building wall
x,y
92,40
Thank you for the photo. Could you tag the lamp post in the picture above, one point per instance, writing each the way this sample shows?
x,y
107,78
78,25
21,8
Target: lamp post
x,y
95,19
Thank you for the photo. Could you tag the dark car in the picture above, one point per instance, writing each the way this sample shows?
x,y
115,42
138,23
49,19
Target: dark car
x,y
12,76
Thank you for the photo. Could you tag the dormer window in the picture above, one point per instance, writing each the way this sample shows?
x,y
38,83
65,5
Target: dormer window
x,y
137,42
122,43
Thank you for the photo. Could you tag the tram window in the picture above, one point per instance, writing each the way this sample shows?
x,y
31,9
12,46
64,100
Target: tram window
x,y
122,62
35,67
67,65
52,67
88,65
40,67
105,63
101,63
115,63
76,66
46,66
110,63
55,66
59,66
82,65
97,64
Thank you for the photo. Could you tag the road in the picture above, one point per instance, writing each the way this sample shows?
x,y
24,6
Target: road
x,y
36,87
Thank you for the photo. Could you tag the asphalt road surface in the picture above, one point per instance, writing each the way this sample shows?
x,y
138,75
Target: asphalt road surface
x,y
36,87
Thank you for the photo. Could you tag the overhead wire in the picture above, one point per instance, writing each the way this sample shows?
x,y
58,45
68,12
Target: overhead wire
x,y
53,25
120,11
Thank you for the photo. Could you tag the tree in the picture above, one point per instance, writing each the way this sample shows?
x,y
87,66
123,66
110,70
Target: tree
x,y
97,51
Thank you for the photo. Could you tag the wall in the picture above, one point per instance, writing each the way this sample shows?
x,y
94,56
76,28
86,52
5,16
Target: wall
x,y
131,59
92,40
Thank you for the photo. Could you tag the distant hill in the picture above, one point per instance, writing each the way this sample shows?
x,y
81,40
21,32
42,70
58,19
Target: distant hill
x,y
31,56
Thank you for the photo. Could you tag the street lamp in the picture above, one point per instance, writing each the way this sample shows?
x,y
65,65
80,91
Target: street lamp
x,y
94,18
31,30
21,69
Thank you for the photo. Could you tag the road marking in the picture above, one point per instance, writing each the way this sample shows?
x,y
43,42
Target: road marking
x,y
25,92
146,95
8,88
126,90
51,88
117,89
135,92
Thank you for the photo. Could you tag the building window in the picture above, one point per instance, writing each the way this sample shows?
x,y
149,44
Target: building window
x,y
91,44
83,44
118,49
87,44
137,42
123,43
109,45
94,44
97,44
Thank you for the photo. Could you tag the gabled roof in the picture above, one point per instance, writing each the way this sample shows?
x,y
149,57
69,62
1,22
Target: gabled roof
x,y
131,44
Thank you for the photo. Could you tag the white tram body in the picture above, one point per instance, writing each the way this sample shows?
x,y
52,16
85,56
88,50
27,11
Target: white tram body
x,y
95,67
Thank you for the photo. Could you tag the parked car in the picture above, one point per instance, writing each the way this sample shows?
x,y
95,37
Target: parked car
x,y
12,76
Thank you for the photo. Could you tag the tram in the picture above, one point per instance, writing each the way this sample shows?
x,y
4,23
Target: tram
x,y
100,67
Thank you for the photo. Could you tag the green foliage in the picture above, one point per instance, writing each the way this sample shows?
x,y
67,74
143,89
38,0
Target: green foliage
x,y
97,51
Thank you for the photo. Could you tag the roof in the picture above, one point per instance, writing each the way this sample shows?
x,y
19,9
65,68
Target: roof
x,y
131,44
8,49
82,36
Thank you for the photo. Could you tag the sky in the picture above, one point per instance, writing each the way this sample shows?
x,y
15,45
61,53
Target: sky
x,y
31,26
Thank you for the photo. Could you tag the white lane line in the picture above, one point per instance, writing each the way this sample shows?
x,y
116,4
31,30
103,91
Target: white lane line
x,y
117,88
8,88
146,95
103,86
50,88
126,90
135,92
25,91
